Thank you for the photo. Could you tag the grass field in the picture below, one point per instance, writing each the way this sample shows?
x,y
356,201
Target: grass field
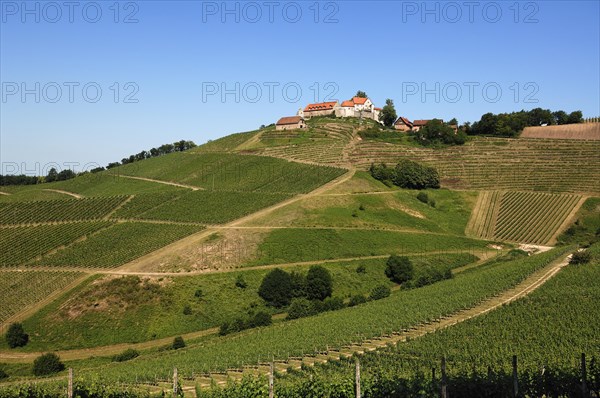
x,y
394,209
296,245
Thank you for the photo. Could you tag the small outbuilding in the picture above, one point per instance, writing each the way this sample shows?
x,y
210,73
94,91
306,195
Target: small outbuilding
x,y
290,123
403,124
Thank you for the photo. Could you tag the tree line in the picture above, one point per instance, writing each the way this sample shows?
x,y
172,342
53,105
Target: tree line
x,y
512,124
55,175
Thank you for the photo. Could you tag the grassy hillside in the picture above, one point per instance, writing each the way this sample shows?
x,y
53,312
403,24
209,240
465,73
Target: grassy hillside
x,y
117,309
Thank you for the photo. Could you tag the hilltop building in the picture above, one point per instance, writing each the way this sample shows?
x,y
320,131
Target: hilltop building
x,y
290,123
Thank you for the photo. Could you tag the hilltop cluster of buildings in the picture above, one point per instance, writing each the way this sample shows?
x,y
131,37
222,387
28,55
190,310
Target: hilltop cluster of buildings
x,y
355,107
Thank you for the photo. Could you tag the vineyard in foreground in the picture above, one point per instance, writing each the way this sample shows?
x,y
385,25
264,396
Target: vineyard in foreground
x,y
554,321
402,310
521,216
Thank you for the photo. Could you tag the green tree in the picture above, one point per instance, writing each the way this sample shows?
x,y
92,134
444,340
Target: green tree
x,y
388,113
47,364
575,117
52,175
16,336
319,283
437,132
412,175
276,288
361,94
399,269
561,117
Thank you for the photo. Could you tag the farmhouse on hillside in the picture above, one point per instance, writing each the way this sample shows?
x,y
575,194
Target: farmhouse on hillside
x,y
319,109
290,123
417,124
403,124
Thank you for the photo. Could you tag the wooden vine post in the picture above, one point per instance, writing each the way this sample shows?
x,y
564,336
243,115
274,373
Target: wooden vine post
x,y
271,381
444,386
515,377
175,383
357,383
584,388
70,384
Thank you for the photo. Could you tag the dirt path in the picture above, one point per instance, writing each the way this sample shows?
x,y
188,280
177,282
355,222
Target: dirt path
x,y
524,288
5,193
139,264
175,184
482,254
119,206
76,196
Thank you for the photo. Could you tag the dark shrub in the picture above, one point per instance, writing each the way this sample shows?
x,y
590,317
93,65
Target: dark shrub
x,y
126,355
301,308
380,292
319,284
3,375
399,269
422,196
382,173
333,304
361,269
261,318
356,300
16,336
298,284
198,293
241,282
276,288
187,310
178,343
47,364
580,257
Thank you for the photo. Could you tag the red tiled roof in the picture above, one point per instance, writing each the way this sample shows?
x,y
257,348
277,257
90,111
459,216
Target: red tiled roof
x,y
420,122
348,103
289,120
377,109
359,100
404,120
322,106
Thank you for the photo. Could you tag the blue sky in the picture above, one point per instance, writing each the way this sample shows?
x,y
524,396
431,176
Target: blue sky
x,y
166,59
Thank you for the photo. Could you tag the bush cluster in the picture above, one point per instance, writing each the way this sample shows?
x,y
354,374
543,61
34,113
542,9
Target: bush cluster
x,y
16,336
278,287
407,174
126,355
400,269
261,318
47,364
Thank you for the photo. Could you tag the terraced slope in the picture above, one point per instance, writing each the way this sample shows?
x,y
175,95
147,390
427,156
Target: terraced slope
x,y
498,164
525,217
